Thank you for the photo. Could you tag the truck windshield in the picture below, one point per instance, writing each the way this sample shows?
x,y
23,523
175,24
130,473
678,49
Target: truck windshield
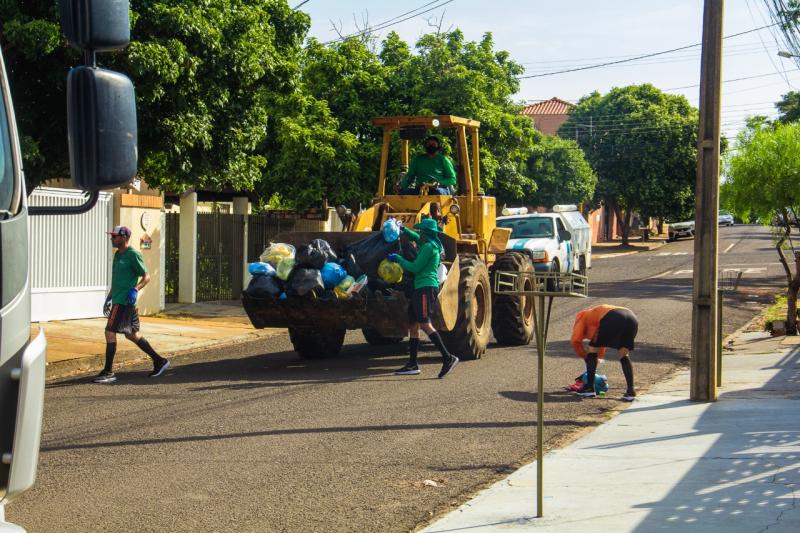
x,y
528,228
6,165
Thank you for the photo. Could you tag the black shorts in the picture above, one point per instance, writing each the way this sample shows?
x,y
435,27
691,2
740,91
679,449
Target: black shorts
x,y
617,329
423,305
123,319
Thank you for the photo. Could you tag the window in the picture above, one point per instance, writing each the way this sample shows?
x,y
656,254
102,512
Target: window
x,y
7,176
529,227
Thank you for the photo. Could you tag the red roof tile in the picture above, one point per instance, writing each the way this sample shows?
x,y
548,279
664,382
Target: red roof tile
x,y
554,106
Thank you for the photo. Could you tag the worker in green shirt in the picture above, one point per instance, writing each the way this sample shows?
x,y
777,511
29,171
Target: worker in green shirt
x,y
430,167
424,299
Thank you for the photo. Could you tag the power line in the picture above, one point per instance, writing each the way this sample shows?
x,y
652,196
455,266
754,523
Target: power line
x,y
394,20
301,4
599,65
731,80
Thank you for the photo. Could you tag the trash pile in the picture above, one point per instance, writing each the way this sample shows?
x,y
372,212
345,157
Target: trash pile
x,y
315,270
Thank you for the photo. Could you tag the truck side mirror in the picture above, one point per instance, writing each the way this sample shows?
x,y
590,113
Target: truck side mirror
x,y
101,120
564,235
98,25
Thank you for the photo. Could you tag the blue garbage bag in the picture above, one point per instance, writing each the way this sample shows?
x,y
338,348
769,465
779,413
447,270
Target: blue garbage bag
x,y
261,269
332,274
600,381
391,230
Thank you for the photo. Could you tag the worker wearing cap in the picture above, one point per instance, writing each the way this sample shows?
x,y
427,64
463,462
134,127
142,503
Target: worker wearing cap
x,y
430,167
599,328
424,299
128,276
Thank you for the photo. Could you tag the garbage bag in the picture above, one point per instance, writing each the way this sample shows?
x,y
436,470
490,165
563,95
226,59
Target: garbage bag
x,y
370,251
350,264
346,283
391,230
341,294
332,274
390,272
309,256
305,280
359,286
284,268
277,251
260,269
263,286
441,273
323,246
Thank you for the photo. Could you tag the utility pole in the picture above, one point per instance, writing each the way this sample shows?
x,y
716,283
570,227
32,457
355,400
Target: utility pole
x,y
704,295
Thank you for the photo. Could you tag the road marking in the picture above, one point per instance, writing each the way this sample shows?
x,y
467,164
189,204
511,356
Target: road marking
x,y
679,272
729,248
680,253
667,273
673,253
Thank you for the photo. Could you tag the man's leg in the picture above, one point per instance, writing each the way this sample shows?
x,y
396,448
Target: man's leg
x,y
627,370
591,371
106,375
411,368
449,361
160,364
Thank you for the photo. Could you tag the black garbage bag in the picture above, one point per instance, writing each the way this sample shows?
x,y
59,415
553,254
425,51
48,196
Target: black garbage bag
x,y
305,280
309,256
369,252
324,247
263,287
350,265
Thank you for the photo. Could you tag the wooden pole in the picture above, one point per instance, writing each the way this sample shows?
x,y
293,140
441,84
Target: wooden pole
x,y
703,376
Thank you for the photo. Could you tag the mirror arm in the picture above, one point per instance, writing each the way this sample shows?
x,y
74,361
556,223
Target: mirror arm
x,y
65,209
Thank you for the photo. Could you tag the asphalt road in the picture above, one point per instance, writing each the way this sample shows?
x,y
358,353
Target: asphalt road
x,y
255,439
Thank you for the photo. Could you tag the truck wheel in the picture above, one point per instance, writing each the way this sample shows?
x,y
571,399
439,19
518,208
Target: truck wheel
x,y
376,339
512,316
469,337
553,284
315,343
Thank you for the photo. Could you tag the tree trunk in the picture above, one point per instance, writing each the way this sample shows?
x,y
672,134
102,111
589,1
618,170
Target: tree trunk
x,y
791,298
660,226
626,227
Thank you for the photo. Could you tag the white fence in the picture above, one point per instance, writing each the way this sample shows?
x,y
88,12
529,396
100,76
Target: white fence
x,y
70,257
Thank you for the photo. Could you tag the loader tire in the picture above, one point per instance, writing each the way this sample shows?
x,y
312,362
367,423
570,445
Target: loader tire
x,y
376,339
469,337
315,343
512,316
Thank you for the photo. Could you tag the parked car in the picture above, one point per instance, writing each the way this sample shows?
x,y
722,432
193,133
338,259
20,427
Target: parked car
x,y
725,218
681,229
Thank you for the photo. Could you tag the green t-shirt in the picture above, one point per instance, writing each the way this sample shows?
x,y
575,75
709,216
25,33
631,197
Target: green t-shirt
x,y
127,268
426,266
425,169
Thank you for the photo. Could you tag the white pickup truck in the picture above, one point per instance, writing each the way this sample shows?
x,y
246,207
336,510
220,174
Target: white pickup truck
x,y
559,241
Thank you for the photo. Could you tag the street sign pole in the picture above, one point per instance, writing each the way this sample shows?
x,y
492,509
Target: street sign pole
x,y
703,376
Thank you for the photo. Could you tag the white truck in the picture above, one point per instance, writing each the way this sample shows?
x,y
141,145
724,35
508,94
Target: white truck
x,y
101,118
559,241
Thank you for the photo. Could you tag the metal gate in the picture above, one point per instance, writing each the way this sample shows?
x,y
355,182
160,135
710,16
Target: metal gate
x,y
261,229
220,256
172,244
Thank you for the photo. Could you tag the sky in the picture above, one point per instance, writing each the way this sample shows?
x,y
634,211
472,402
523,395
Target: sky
x,y
547,36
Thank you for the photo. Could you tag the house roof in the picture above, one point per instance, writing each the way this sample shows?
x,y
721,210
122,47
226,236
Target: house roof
x,y
554,106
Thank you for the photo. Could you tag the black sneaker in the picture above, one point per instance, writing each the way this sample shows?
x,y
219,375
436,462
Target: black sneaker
x,y
587,392
159,368
104,377
629,396
448,366
408,370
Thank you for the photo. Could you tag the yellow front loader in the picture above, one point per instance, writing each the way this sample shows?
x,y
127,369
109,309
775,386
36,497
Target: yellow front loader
x,y
474,248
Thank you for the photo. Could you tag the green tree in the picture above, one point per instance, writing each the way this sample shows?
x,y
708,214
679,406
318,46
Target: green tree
x,y
789,107
208,74
642,144
763,180
561,172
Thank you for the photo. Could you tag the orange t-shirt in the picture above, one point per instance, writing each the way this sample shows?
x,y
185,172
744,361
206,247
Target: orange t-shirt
x,y
587,322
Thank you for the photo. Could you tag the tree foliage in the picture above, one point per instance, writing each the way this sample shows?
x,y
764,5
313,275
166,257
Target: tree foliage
x,y
789,107
642,144
561,172
763,180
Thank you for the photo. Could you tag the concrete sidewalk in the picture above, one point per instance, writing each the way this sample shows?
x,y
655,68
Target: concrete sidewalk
x,y
669,464
78,346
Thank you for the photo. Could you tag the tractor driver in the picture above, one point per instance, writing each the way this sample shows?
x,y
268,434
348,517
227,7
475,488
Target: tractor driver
x,y
430,167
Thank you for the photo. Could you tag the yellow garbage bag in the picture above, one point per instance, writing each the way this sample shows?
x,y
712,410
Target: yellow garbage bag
x,y
275,252
390,272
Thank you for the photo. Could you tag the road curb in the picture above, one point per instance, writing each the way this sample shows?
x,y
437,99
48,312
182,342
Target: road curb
x,y
606,256
78,366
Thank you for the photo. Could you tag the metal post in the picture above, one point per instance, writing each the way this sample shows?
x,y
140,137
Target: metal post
x,y
541,340
704,296
719,338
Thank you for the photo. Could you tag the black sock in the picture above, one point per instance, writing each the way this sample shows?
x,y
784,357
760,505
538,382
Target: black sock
x,y
111,349
591,369
437,340
413,348
627,369
146,348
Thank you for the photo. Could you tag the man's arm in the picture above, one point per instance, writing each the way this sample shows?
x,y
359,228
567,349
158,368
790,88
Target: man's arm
x,y
449,172
145,279
412,235
422,259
